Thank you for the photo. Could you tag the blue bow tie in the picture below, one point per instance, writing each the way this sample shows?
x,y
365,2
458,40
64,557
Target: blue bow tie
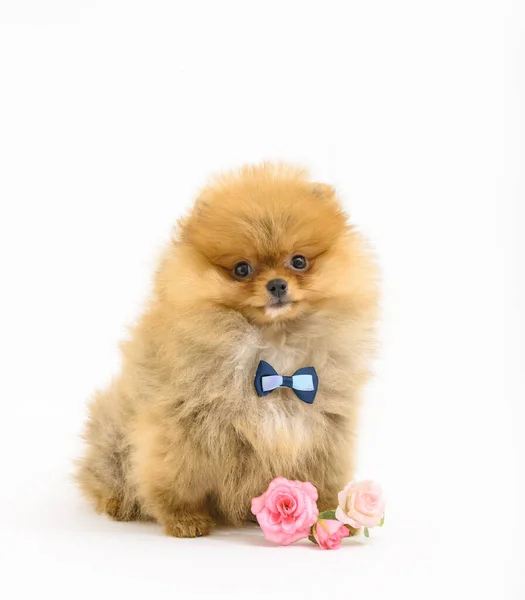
x,y
304,382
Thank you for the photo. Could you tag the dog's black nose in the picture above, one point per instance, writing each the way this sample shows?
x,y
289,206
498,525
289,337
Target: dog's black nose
x,y
277,287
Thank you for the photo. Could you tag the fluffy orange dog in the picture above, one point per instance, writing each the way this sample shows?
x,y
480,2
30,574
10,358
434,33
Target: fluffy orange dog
x,y
265,267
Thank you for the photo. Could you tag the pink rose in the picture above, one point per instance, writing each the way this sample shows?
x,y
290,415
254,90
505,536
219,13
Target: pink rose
x,y
361,504
286,511
328,533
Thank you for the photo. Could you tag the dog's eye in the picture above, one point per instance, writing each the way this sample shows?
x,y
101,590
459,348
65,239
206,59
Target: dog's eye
x,y
299,263
242,270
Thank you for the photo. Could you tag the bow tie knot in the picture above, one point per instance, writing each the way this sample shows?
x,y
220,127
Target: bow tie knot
x,y
304,382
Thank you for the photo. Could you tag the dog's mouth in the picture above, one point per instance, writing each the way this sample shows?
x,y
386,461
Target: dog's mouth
x,y
276,308
277,303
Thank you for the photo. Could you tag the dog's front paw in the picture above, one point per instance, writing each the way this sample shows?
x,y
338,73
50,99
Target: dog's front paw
x,y
188,525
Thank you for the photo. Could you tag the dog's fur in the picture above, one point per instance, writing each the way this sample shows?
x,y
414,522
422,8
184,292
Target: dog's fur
x,y
181,436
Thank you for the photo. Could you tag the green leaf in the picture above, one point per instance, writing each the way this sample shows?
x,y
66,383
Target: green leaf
x,y
327,514
367,533
382,522
352,530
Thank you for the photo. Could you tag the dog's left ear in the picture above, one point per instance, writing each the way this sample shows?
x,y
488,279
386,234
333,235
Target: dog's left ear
x,y
322,191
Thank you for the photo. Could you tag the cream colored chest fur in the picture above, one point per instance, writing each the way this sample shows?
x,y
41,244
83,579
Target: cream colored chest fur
x,y
283,419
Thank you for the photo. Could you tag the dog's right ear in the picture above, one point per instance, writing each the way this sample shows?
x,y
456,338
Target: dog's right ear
x,y
200,203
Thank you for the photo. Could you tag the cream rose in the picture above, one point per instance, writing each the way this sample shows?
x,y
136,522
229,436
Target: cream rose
x,y
361,504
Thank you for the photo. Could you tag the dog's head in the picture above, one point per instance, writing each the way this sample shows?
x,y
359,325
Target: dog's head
x,y
267,242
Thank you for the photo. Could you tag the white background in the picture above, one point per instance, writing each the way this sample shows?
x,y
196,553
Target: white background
x,y
113,114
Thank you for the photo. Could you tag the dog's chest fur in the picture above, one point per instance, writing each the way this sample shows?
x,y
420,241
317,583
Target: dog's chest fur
x,y
283,419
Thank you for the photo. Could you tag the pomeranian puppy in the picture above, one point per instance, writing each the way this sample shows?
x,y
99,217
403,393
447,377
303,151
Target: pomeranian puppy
x,y
266,267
